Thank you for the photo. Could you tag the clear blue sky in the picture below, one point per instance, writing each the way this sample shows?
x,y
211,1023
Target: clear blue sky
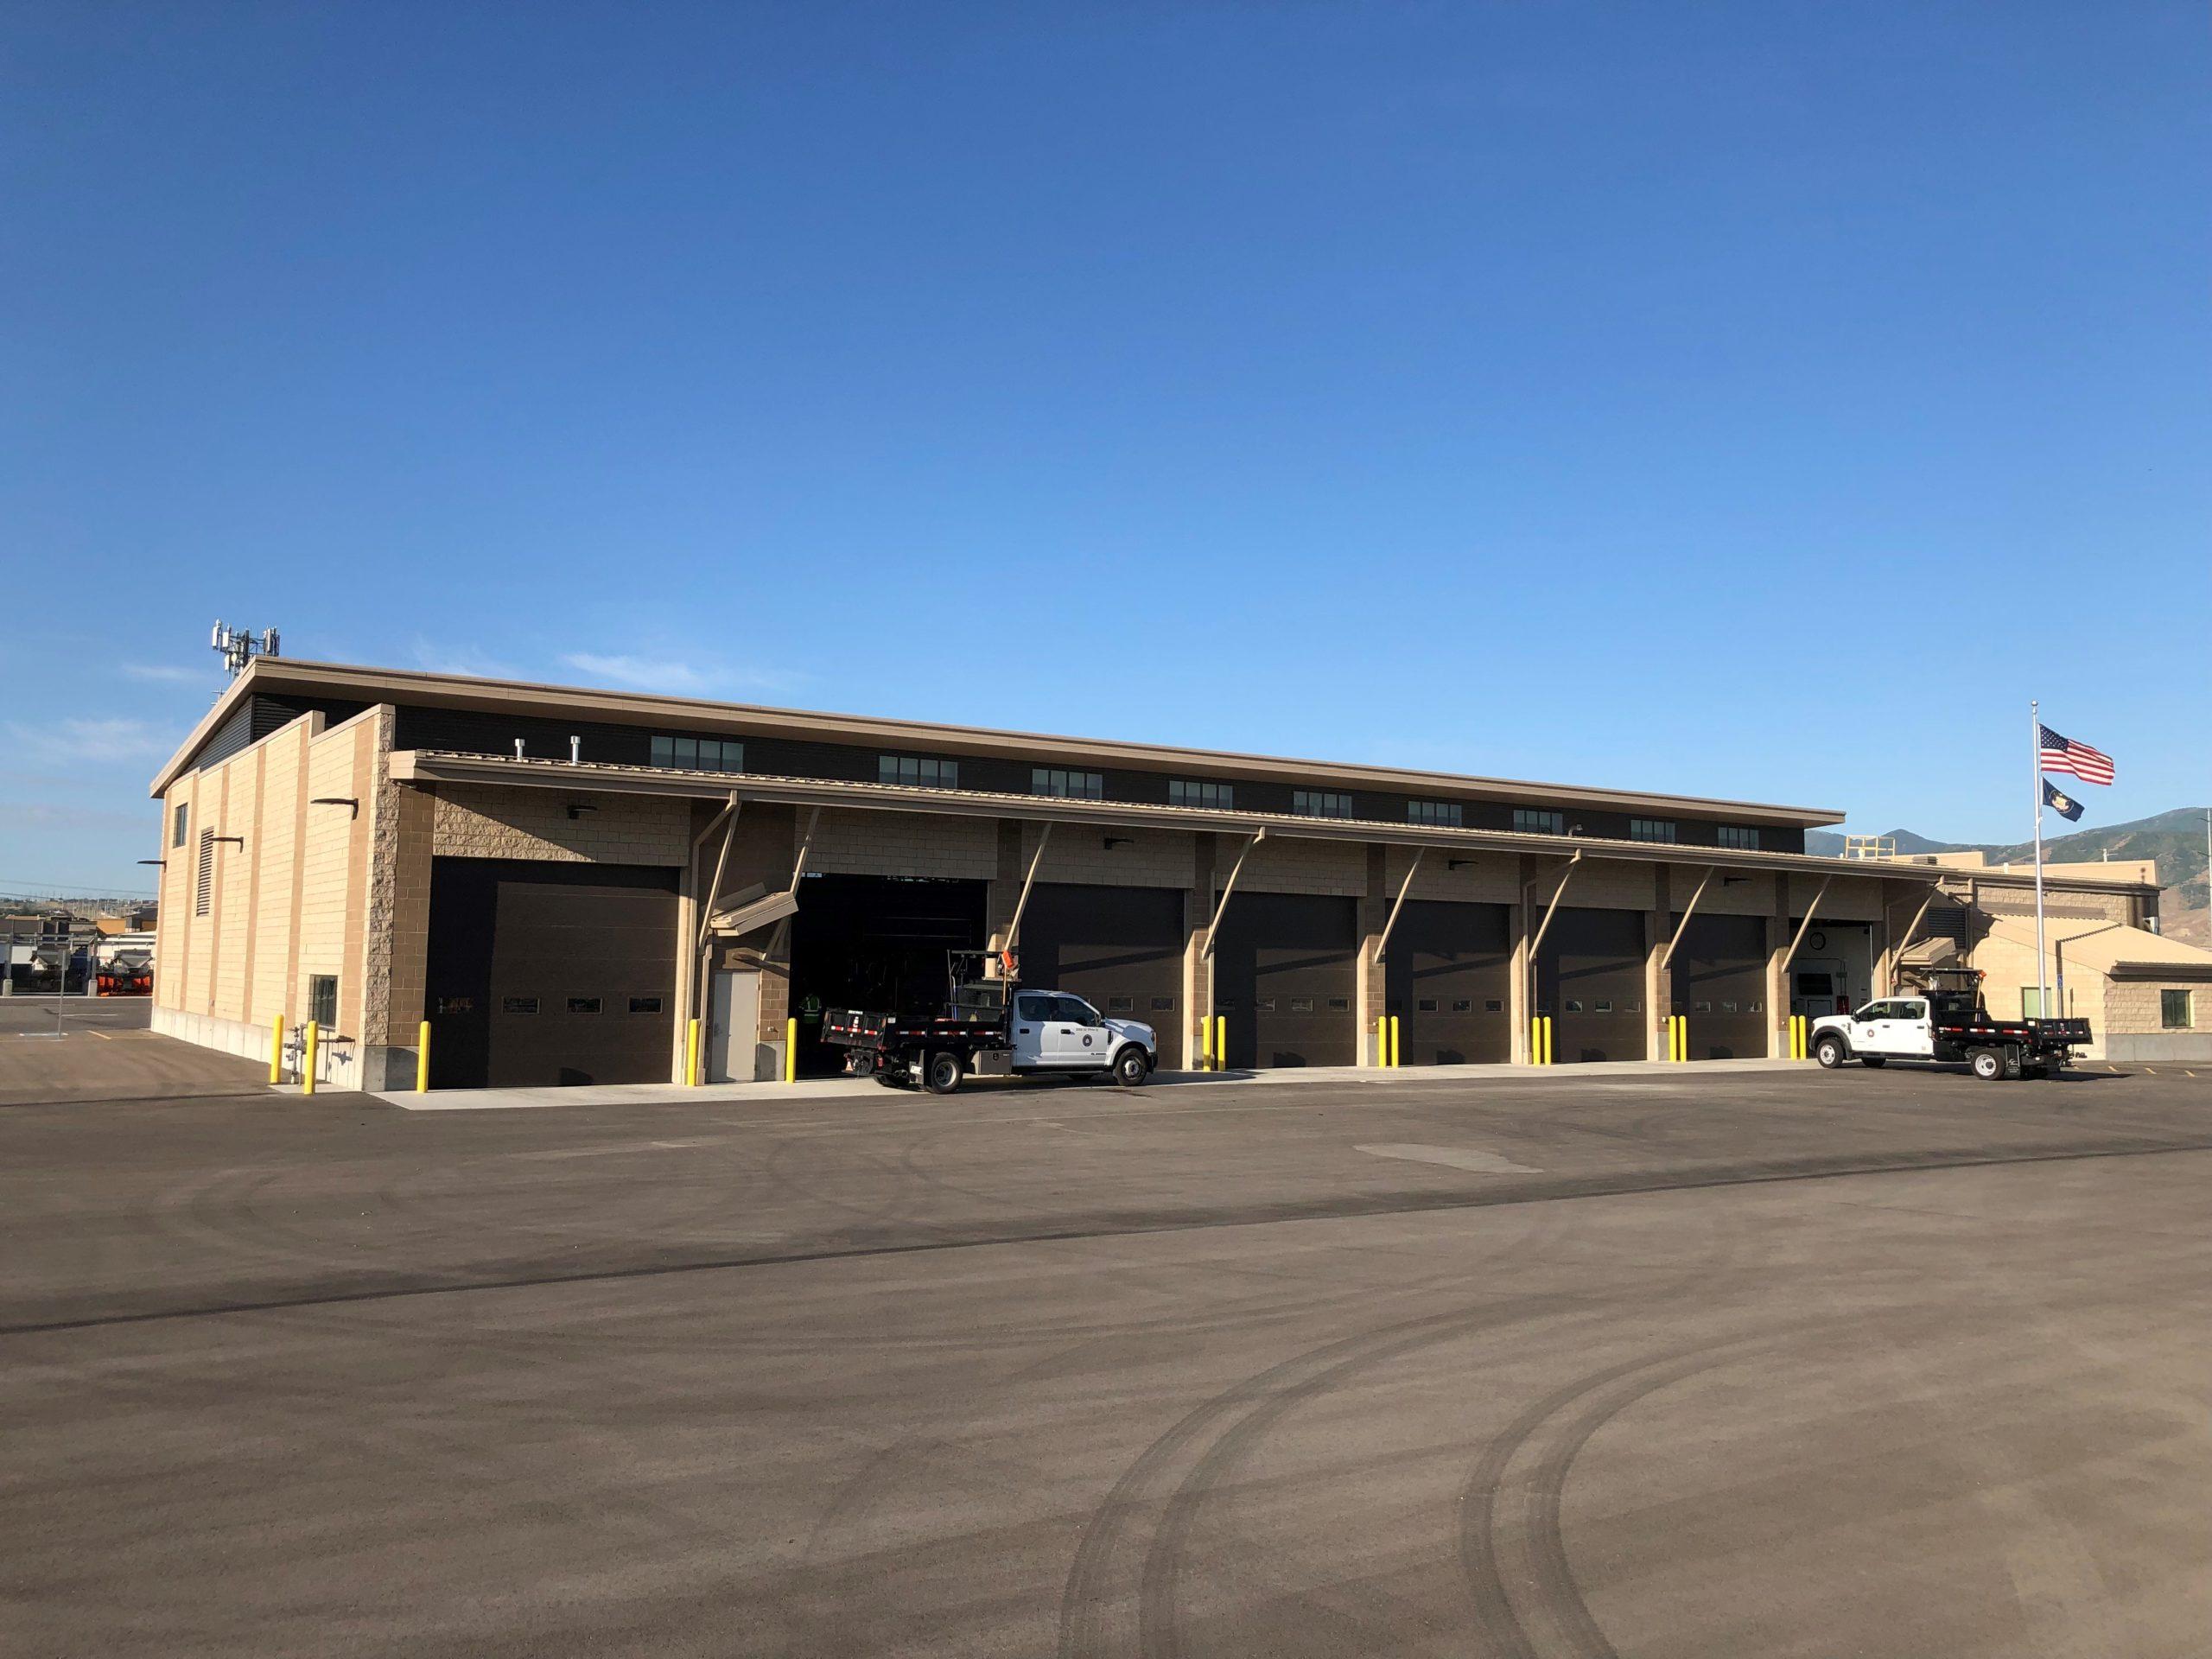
x,y
1757,399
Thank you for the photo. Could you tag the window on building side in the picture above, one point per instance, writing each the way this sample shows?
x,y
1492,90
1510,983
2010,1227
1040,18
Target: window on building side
x,y
1650,829
1075,785
1319,804
1214,798
699,753
203,884
644,1005
2174,1013
1539,821
917,772
322,999
1740,835
183,817
1446,815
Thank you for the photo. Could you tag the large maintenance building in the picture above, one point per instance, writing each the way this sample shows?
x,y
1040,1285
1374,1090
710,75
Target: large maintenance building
x,y
559,879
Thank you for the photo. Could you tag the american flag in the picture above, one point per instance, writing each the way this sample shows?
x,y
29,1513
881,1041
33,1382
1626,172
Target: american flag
x,y
2064,754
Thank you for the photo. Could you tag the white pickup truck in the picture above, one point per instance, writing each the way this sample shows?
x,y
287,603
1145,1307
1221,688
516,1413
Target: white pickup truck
x,y
1947,1025
992,1028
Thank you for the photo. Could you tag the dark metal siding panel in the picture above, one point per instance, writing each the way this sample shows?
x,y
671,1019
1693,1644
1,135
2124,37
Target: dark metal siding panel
x,y
568,936
229,738
1718,980
259,715
1285,971
1120,948
465,731
1589,980
1444,954
471,732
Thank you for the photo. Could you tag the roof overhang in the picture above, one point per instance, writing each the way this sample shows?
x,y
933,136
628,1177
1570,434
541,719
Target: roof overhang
x,y
439,766
372,685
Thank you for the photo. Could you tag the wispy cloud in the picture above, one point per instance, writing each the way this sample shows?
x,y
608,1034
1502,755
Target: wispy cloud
x,y
94,740
463,659
168,673
673,676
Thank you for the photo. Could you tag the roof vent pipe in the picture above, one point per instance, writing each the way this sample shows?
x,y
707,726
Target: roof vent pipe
x,y
517,748
576,751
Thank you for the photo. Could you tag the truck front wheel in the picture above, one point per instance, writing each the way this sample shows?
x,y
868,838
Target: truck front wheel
x,y
943,1074
1129,1067
1988,1064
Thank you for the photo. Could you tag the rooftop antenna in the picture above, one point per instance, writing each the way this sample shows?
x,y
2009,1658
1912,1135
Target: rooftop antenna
x,y
238,646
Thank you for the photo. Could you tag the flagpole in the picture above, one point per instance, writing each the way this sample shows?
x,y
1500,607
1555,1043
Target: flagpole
x,y
2035,753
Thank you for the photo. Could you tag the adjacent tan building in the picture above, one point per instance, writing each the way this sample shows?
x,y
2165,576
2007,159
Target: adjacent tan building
x,y
2146,997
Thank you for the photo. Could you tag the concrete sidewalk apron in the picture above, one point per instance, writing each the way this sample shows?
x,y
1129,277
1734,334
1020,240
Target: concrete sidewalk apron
x,y
675,1094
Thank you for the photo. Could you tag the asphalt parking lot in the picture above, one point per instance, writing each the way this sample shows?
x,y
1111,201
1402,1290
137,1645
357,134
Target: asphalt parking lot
x,y
1698,1364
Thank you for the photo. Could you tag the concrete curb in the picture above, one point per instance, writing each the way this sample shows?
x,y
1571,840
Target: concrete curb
x,y
671,1094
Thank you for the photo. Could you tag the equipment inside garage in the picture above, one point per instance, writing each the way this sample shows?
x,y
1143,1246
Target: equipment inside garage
x,y
1718,979
1589,980
1120,948
1285,966
1447,977
541,972
875,942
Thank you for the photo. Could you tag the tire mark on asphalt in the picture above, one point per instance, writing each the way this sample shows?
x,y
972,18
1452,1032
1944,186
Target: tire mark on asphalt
x,y
1354,1207
1525,1545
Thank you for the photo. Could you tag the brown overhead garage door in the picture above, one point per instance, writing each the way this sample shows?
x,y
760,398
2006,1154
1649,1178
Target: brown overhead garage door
x,y
1589,980
1284,969
1120,948
1446,978
1718,979
542,973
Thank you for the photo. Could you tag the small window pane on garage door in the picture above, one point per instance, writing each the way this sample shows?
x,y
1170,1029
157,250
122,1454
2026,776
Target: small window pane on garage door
x,y
534,970
1589,980
1284,970
1447,978
1718,981
1120,948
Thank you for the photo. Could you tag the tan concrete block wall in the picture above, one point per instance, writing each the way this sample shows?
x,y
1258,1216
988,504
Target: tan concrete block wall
x,y
283,767
1078,854
1603,884
1748,895
1482,878
2008,967
2133,1008
903,843
1291,865
1849,899
232,909
172,884
480,821
333,869
2015,903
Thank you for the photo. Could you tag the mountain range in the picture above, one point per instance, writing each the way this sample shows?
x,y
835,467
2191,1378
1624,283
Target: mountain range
x,y
2175,839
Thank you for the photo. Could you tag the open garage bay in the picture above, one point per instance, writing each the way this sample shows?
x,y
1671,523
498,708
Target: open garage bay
x,y
1713,1362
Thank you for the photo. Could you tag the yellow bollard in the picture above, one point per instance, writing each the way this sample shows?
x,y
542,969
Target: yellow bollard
x,y
1394,1041
1382,1040
1206,1043
691,1054
790,1050
306,1063
423,1059
1548,1039
276,1051
1221,1042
